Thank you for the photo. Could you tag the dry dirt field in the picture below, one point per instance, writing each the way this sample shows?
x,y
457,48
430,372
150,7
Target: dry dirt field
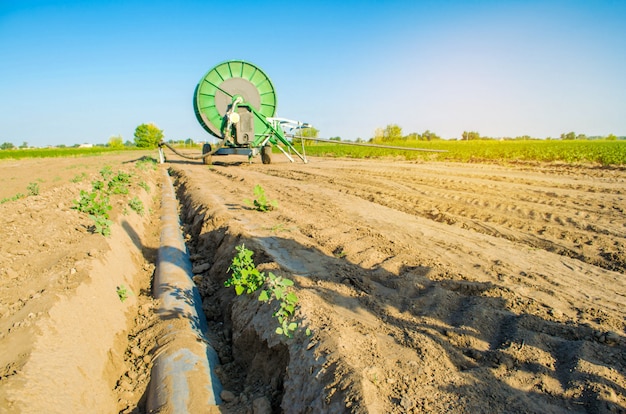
x,y
427,287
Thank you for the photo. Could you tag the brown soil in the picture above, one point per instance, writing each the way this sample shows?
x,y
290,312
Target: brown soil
x,y
428,287
69,344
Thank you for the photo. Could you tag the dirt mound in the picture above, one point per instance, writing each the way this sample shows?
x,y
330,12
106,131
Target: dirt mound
x,y
69,343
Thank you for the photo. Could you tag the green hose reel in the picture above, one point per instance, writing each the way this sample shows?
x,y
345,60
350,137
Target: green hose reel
x,y
236,102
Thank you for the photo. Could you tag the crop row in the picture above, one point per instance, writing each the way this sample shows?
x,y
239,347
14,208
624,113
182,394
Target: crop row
x,y
587,151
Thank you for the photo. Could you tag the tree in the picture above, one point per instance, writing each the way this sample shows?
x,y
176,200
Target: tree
x,y
379,134
472,135
611,137
148,136
392,133
306,132
7,145
116,142
429,136
24,145
569,135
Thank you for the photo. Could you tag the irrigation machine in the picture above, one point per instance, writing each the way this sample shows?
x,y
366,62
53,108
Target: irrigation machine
x,y
236,103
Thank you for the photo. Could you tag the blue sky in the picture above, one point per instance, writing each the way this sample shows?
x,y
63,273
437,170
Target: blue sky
x,y
83,71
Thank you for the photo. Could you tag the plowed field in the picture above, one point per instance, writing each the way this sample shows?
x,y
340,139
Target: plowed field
x,y
427,287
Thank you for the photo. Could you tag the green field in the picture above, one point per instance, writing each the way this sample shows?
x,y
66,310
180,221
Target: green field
x,y
600,152
575,152
54,152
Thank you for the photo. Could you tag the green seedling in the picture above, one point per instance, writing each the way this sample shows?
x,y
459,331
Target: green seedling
x,y
246,278
106,172
78,178
261,203
33,189
145,186
136,205
277,288
102,225
96,204
122,293
14,198
119,183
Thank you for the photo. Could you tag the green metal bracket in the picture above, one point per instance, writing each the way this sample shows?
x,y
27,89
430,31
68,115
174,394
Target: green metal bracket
x,y
264,130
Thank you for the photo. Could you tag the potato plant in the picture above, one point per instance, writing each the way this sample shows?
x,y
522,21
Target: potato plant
x,y
261,202
96,203
246,278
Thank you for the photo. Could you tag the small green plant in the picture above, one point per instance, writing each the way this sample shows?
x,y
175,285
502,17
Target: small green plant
x,y
122,293
146,163
106,172
277,228
118,184
102,225
97,205
33,189
277,288
14,198
145,186
94,203
261,203
97,185
246,278
78,178
136,205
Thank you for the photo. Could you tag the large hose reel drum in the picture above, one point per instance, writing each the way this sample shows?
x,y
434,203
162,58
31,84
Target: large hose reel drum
x,y
236,102
214,97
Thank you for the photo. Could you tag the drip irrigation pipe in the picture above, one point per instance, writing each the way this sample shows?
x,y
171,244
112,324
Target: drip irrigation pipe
x,y
183,379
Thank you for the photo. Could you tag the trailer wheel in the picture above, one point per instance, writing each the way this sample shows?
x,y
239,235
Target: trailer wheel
x,y
206,149
266,154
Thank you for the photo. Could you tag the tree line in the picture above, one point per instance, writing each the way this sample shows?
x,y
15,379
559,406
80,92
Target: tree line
x,y
149,136
393,132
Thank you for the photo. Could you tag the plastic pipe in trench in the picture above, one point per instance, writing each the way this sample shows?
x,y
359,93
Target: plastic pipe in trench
x,y
183,379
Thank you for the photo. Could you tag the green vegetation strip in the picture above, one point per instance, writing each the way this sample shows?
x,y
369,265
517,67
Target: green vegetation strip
x,y
57,152
579,151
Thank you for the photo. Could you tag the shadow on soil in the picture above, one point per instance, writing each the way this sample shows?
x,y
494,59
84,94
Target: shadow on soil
x,y
455,315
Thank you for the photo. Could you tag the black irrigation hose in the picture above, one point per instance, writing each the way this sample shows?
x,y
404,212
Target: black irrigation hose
x,y
191,157
370,145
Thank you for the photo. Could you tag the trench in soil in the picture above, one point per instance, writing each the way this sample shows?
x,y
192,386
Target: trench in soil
x,y
258,367
253,362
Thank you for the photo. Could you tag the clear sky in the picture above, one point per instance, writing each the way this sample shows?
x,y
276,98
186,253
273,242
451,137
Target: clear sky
x,y
82,71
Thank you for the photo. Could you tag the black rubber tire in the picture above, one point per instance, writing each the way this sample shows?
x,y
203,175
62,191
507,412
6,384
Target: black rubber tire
x,y
266,154
206,148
